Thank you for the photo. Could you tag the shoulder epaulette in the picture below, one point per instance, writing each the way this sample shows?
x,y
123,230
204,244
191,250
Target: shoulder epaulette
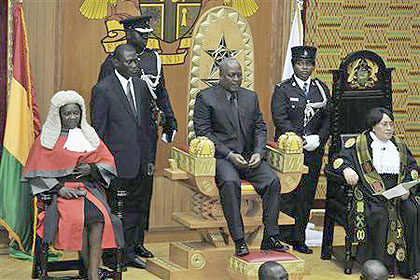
x,y
282,82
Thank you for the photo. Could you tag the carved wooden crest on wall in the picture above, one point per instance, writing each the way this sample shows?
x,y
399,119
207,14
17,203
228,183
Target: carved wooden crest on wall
x,y
172,21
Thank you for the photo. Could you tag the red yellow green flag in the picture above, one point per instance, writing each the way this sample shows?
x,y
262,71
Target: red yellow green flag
x,y
22,126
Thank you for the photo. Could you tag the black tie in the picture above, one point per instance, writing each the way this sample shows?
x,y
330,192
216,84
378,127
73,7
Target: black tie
x,y
305,89
233,100
130,98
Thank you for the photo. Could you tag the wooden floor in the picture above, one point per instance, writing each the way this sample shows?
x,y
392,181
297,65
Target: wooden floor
x,y
12,269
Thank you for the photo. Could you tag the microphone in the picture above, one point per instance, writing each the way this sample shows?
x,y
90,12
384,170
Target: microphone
x,y
383,149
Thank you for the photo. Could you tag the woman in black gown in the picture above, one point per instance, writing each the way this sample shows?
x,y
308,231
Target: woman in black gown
x,y
377,160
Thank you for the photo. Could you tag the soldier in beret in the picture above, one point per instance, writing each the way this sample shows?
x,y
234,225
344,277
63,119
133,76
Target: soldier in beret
x,y
299,105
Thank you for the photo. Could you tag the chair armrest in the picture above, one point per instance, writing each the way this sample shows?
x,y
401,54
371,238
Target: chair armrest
x,y
197,168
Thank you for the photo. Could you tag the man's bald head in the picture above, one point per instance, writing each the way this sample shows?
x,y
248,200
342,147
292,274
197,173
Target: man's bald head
x,y
124,60
374,270
230,74
228,62
121,49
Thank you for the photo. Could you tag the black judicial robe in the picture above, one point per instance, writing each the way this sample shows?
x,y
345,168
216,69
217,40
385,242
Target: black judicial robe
x,y
377,217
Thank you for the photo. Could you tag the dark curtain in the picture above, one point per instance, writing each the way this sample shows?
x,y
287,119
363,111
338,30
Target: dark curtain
x,y
3,69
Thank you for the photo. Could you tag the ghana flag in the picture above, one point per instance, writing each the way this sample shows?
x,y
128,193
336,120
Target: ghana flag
x,y
22,126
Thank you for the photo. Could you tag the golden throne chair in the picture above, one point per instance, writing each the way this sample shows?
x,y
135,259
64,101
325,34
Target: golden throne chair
x,y
195,164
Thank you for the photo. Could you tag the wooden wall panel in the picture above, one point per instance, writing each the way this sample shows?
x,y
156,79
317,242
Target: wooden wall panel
x,y
67,54
43,22
168,197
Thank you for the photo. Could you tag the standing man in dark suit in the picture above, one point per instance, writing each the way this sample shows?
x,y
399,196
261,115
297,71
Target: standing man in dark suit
x,y
229,115
299,104
120,113
150,70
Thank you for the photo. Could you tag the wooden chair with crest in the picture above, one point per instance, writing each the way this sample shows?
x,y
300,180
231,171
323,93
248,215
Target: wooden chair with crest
x,y
361,83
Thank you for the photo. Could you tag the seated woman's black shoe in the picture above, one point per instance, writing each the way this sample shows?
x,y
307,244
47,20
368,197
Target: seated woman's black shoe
x,y
241,249
141,251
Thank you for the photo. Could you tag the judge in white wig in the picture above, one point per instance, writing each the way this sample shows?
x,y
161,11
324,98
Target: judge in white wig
x,y
71,165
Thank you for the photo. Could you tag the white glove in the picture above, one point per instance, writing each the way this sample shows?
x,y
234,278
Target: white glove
x,y
312,142
165,137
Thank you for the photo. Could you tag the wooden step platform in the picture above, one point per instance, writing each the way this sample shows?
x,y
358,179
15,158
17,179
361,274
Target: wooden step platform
x,y
248,266
197,260
192,221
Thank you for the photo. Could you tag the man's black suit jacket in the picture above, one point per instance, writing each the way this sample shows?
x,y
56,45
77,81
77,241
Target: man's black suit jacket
x,y
129,137
148,63
213,118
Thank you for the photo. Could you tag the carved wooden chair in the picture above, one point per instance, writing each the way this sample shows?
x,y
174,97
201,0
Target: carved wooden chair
x,y
41,265
196,166
361,83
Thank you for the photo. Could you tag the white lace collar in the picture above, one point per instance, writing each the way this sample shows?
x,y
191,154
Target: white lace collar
x,y
77,142
386,158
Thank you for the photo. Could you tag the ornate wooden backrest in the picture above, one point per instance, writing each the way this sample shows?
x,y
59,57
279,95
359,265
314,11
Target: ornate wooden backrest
x,y
220,33
361,83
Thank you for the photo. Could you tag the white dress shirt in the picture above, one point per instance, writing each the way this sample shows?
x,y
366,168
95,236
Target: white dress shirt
x,y
124,82
301,82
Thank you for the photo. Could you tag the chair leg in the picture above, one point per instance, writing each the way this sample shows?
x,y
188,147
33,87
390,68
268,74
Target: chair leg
x,y
43,261
39,265
36,265
118,271
327,237
348,258
82,267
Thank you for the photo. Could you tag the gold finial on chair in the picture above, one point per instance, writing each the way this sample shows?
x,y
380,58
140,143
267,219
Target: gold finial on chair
x,y
290,143
201,147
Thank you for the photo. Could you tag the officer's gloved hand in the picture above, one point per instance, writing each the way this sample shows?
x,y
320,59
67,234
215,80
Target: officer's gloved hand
x,y
312,142
169,126
168,137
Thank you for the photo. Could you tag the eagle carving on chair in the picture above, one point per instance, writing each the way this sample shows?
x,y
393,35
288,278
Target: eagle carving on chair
x,y
101,9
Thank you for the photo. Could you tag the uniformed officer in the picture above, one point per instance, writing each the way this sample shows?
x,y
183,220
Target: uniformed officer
x,y
149,64
299,104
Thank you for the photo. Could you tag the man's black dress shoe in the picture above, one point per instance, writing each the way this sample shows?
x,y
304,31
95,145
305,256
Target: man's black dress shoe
x,y
241,249
273,243
302,248
137,263
143,252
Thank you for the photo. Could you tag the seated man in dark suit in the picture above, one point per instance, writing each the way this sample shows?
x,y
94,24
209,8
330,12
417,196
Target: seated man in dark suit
x,y
229,115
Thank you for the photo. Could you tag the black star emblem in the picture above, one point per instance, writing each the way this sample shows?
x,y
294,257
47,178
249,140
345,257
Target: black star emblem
x,y
210,82
220,53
